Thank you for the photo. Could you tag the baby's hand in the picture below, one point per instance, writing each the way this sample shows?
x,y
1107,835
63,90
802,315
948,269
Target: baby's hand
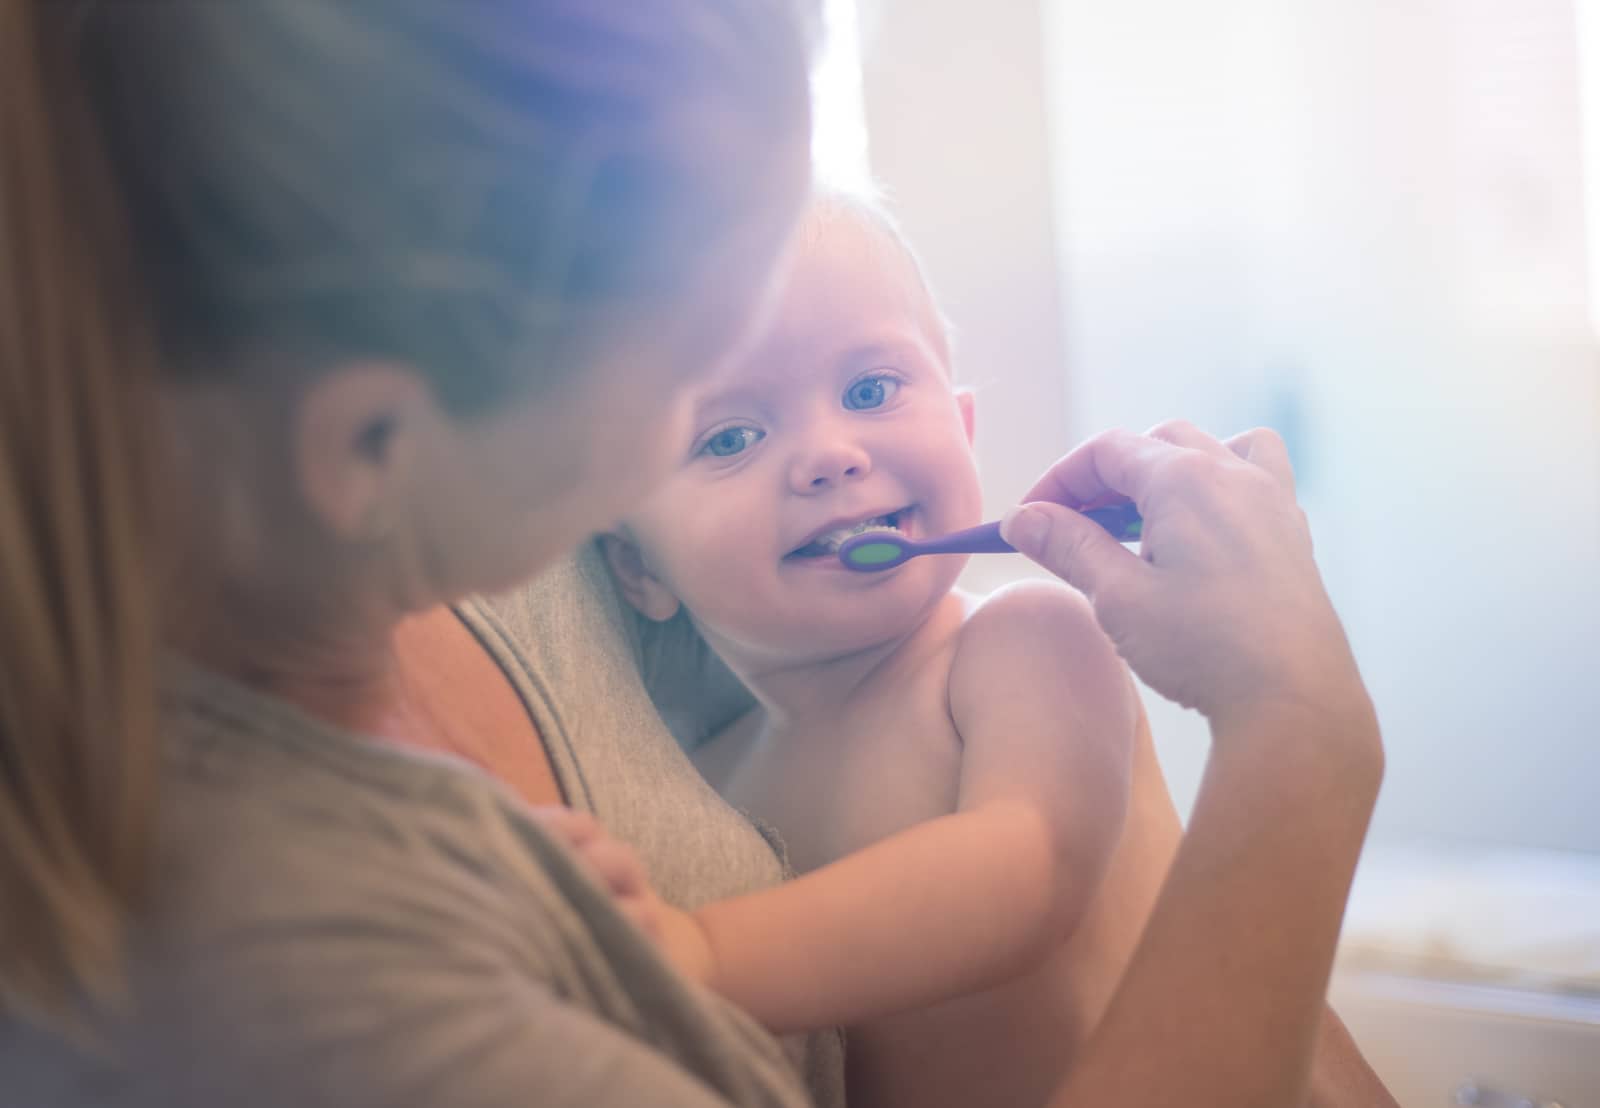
x,y
619,871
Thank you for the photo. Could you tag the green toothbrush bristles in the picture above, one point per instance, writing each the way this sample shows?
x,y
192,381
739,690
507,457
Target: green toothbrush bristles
x,y
874,553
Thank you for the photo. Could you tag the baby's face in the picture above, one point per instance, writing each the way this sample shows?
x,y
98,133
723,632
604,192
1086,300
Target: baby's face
x,y
844,414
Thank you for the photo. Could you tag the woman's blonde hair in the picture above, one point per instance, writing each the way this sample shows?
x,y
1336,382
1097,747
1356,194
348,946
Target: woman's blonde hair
x,y
480,189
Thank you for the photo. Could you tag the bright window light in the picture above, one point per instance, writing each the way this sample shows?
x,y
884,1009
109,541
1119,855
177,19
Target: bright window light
x,y
1588,12
839,137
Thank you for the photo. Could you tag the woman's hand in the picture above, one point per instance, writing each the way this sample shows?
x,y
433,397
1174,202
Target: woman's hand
x,y
1223,609
618,869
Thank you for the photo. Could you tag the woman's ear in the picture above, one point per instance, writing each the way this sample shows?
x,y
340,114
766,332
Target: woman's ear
x,y
357,434
641,588
966,400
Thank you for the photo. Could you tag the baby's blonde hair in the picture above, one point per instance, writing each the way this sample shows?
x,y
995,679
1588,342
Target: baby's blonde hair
x,y
869,210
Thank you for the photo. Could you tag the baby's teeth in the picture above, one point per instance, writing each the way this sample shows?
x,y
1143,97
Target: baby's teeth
x,y
831,541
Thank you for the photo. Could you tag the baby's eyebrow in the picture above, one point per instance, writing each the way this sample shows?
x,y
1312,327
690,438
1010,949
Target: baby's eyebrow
x,y
899,347
742,399
866,352
762,386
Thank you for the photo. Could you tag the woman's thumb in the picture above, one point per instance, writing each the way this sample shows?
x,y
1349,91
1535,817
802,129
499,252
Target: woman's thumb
x,y
1065,542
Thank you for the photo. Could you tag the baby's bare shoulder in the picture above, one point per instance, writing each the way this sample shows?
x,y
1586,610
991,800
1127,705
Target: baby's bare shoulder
x,y
1032,614
1037,637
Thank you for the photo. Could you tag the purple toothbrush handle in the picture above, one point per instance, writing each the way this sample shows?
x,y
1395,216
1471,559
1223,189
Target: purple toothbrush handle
x,y
1121,520
875,551
982,539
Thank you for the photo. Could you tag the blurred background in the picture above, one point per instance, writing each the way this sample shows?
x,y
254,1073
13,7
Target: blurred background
x,y
1374,226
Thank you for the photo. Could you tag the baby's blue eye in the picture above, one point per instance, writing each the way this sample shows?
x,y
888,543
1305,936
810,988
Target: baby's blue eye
x,y
732,440
870,392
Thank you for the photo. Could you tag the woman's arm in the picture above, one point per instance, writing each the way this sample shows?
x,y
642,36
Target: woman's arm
x,y
1223,610
1340,1076
1224,997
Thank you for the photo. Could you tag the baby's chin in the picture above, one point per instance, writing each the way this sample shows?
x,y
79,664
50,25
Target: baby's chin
x,y
825,625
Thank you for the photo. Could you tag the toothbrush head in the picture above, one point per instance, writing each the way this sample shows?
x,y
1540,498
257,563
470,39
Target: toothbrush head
x,y
872,551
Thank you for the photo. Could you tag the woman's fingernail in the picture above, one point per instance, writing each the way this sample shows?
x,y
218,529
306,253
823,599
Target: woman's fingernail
x,y
1025,528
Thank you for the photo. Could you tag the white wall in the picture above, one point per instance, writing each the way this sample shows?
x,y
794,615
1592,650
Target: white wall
x,y
1364,220
956,110
1356,220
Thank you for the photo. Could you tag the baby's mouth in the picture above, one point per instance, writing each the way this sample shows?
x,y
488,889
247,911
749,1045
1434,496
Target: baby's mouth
x,y
827,544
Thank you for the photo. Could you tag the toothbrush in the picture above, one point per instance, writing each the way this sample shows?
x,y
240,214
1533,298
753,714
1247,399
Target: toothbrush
x,y
872,551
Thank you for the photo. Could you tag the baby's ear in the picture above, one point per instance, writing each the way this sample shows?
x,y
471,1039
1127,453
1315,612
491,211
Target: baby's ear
x,y
967,401
641,588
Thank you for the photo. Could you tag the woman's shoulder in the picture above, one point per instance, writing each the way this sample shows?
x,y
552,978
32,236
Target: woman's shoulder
x,y
337,922
270,814
570,622
597,691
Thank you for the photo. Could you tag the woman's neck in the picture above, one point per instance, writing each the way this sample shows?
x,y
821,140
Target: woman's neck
x,y
342,672
807,691
253,590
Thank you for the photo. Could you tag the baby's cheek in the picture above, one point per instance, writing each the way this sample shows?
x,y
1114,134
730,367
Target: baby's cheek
x,y
705,575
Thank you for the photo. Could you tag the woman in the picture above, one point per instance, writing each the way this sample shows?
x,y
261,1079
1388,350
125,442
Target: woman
x,y
316,316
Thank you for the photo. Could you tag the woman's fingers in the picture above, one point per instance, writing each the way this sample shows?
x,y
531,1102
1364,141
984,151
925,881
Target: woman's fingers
x,y
1180,432
1224,602
1112,465
1264,447
1070,545
1260,446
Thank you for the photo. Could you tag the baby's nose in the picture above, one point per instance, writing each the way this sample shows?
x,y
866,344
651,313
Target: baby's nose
x,y
828,467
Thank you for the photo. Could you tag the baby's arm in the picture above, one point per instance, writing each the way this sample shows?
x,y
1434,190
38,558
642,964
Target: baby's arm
x,y
1046,715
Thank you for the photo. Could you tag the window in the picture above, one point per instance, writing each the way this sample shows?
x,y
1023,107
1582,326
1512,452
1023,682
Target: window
x,y
839,138
1588,25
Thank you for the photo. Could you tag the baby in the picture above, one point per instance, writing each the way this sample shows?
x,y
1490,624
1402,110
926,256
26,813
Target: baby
x,y
965,784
